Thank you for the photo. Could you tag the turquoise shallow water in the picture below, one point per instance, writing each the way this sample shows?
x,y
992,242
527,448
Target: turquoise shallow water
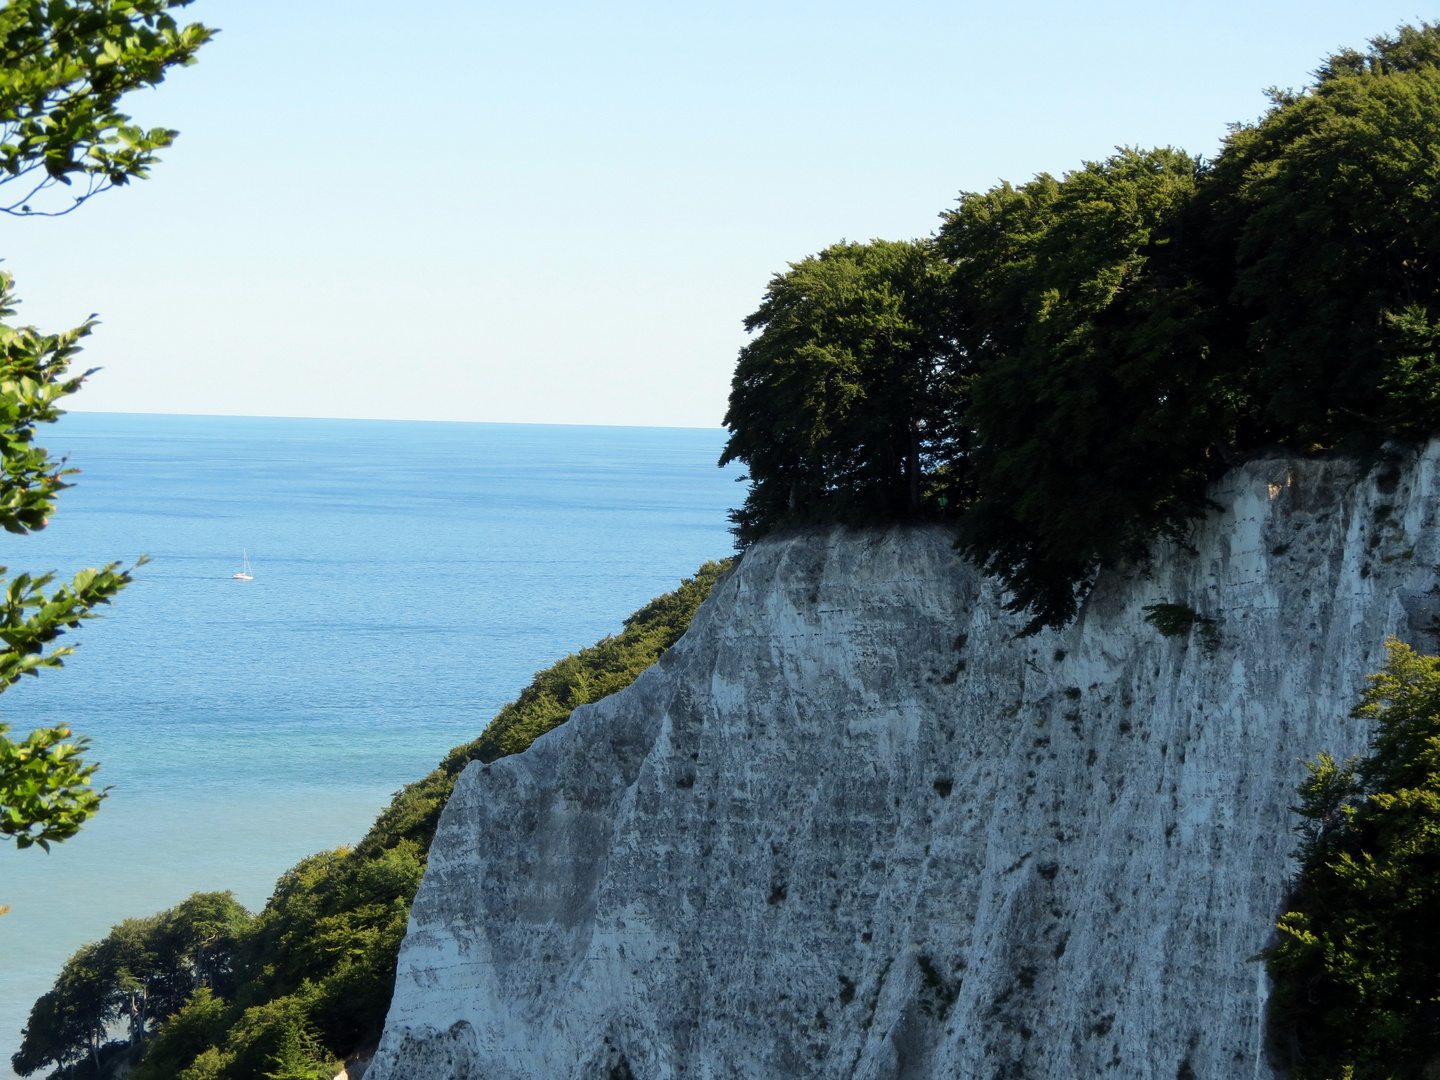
x,y
409,578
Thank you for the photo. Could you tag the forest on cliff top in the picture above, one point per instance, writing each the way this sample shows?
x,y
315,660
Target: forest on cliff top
x,y
1068,363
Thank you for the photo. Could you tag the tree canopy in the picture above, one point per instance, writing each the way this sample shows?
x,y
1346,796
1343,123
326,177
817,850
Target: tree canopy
x,y
1079,357
837,404
143,971
1086,374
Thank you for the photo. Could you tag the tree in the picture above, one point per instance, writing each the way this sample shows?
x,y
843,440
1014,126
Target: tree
x,y
144,971
64,67
1331,204
1077,359
836,406
1356,967
1093,396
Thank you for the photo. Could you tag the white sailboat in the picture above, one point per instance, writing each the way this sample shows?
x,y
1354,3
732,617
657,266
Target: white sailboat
x,y
244,574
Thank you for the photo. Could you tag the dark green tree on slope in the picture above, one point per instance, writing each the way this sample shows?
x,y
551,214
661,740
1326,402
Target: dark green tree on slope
x,y
1091,403
143,971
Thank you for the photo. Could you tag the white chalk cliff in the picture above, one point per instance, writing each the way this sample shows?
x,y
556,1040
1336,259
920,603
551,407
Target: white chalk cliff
x,y
850,826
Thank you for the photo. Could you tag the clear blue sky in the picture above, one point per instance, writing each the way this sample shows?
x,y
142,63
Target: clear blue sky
x,y
561,212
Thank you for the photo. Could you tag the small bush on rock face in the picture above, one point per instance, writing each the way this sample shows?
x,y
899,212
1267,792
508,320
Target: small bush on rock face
x,y
1356,967
1172,620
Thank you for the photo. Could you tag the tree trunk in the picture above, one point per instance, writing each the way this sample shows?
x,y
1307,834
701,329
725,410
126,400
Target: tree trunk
x,y
912,465
139,1010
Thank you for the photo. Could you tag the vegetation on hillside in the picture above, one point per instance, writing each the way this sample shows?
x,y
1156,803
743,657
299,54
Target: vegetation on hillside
x,y
213,993
144,971
1356,969
1069,362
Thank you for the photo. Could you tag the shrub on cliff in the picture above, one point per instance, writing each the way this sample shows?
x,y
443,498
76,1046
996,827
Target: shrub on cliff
x,y
1095,349
1356,968
308,980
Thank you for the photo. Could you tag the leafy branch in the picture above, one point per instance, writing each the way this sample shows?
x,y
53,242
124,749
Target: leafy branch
x,y
45,783
64,65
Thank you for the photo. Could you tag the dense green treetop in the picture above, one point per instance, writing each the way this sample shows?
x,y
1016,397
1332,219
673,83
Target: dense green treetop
x,y
144,970
1089,435
837,403
1332,201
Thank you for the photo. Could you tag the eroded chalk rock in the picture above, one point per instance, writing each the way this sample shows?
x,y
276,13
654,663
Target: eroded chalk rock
x,y
850,826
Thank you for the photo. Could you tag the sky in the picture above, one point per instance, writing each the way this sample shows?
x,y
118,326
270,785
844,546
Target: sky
x,y
562,212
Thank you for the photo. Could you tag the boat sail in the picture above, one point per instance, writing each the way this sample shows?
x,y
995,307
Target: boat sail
x,y
244,574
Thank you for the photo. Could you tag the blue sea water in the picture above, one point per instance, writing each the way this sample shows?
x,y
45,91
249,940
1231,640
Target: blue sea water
x,y
408,580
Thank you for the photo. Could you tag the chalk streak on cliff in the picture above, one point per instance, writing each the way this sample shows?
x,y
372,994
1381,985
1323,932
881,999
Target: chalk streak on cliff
x,y
850,827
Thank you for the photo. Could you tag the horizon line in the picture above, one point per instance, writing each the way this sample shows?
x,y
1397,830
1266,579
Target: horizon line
x,y
384,420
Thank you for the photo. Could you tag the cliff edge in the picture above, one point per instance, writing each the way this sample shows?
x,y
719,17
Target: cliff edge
x,y
850,826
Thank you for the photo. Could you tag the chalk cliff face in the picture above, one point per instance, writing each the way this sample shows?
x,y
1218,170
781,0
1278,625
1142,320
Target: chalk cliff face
x,y
851,827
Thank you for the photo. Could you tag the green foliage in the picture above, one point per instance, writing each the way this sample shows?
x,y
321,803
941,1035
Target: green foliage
x,y
144,970
185,1036
64,66
34,375
45,785
836,405
331,932
1332,198
298,1057
1356,967
1089,388
289,992
1172,620
45,792
273,1040
1081,357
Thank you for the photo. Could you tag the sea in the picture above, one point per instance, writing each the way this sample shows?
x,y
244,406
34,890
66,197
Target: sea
x,y
408,579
